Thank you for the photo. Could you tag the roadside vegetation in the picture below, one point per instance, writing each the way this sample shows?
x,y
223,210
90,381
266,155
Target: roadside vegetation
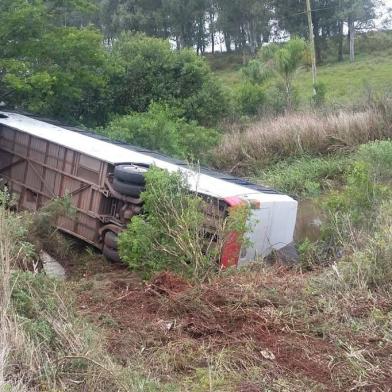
x,y
323,325
169,319
269,140
178,230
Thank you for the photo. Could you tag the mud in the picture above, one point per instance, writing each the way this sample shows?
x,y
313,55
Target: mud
x,y
309,220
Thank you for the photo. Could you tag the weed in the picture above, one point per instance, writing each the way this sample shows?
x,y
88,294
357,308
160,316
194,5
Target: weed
x,y
306,176
174,233
371,266
309,254
292,135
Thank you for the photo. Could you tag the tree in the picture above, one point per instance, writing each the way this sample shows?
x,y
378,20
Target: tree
x,y
359,15
329,18
148,70
285,61
50,69
245,22
292,18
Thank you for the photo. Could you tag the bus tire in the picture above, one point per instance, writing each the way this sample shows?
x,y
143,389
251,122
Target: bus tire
x,y
131,174
111,240
289,254
131,190
111,254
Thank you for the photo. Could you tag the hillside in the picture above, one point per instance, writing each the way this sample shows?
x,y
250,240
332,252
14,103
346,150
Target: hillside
x,y
345,82
323,325
117,275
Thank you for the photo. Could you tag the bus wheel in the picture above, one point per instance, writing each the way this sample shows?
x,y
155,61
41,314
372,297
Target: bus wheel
x,y
127,189
111,254
111,240
131,174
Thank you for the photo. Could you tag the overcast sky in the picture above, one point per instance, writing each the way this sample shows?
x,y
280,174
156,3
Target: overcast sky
x,y
384,13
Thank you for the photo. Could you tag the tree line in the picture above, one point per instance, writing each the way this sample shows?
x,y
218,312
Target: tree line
x,y
110,64
237,25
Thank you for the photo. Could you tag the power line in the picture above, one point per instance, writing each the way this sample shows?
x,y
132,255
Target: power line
x,y
313,10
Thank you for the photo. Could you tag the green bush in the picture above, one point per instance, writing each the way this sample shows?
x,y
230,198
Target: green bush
x,y
378,156
356,205
170,235
250,98
361,195
160,129
148,70
306,176
256,72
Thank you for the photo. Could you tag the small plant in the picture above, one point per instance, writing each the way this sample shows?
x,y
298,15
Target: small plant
x,y
319,98
371,266
378,155
251,99
309,254
171,233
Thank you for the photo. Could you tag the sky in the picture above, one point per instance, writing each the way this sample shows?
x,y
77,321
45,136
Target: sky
x,y
383,12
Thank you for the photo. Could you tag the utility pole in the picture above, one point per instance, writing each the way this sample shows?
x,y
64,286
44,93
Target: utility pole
x,y
312,47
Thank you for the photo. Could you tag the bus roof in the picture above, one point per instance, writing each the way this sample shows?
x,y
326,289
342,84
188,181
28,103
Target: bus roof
x,y
203,180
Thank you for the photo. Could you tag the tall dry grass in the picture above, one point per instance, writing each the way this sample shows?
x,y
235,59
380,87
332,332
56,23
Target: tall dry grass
x,y
11,338
44,345
269,140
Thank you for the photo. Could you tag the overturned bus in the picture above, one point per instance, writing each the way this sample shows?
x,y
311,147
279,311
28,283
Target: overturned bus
x,y
41,160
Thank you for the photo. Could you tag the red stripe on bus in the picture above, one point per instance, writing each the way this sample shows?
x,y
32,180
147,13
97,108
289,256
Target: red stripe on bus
x,y
232,247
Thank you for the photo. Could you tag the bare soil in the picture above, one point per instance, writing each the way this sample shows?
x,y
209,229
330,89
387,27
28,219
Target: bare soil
x,y
247,318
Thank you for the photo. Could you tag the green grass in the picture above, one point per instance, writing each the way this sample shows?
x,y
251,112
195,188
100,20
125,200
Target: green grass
x,y
345,82
306,176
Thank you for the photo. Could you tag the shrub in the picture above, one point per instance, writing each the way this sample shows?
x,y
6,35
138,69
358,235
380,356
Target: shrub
x,y
321,90
269,140
256,72
160,129
171,233
148,70
207,106
251,99
378,155
306,176
168,236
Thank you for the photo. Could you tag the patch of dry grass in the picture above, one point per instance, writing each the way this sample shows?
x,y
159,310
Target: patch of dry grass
x,y
43,344
294,134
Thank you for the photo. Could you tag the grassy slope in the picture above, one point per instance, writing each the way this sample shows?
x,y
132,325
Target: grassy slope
x,y
258,329
344,81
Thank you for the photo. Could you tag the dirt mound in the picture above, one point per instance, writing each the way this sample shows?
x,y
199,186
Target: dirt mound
x,y
167,283
241,315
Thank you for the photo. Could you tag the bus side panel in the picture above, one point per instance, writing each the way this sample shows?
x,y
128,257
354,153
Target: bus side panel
x,y
37,171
